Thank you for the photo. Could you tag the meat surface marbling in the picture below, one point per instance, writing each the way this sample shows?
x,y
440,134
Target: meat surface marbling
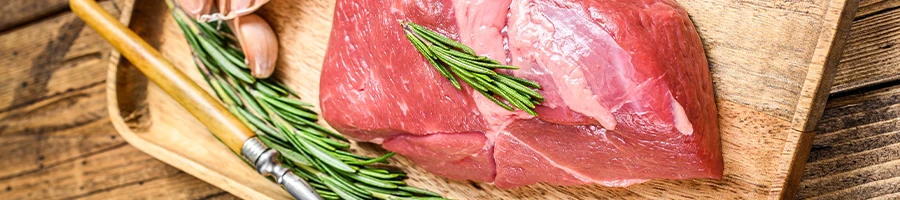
x,y
628,91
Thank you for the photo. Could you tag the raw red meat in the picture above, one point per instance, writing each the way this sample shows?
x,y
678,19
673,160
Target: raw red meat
x,y
628,89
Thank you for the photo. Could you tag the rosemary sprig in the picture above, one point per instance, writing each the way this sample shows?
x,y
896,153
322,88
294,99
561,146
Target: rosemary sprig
x,y
447,55
284,123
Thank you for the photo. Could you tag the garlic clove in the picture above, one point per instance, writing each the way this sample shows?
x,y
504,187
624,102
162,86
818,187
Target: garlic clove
x,y
234,8
259,43
196,8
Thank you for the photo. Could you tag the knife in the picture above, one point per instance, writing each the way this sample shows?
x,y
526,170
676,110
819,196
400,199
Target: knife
x,y
200,104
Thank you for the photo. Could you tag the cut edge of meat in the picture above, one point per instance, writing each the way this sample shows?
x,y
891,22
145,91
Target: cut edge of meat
x,y
467,156
510,171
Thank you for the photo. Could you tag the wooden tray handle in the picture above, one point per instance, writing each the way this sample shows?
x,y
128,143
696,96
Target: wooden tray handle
x,y
204,107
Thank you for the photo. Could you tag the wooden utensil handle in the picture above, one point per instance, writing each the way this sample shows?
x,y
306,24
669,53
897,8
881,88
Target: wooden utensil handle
x,y
203,106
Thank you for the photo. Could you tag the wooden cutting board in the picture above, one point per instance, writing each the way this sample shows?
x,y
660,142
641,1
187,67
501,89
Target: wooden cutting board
x,y
772,63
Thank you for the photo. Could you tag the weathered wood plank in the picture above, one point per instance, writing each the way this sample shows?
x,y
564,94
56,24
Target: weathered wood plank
x,y
16,13
865,191
822,68
56,137
177,186
56,66
58,49
857,148
871,7
122,170
888,196
857,153
871,55
52,131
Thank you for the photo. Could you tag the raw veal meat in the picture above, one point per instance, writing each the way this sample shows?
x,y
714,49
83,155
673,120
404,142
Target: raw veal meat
x,y
628,91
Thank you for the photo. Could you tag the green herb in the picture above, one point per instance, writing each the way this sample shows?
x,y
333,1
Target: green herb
x,y
448,56
286,124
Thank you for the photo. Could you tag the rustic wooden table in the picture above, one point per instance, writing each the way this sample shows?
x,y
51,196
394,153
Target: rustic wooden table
x,y
57,142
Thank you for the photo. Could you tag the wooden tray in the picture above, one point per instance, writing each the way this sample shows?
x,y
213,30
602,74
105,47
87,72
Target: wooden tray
x,y
772,63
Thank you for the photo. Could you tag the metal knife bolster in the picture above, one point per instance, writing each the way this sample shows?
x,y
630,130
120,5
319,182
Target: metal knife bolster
x,y
266,162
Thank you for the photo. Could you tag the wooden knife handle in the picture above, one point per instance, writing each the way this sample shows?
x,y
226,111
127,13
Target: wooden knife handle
x,y
203,106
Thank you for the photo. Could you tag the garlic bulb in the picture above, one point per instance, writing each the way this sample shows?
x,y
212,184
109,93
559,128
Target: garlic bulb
x,y
196,8
259,43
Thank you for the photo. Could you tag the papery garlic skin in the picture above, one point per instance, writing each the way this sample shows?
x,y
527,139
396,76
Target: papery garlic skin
x,y
235,8
259,43
196,8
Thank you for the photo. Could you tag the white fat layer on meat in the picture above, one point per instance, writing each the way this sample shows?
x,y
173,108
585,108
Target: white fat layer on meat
x,y
621,183
682,122
534,30
481,29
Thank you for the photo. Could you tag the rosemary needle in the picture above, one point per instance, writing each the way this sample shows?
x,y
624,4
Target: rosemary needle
x,y
286,124
448,56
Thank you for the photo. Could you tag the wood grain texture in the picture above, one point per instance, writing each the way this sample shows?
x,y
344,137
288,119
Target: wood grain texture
x,y
746,60
814,93
56,137
764,78
857,153
871,55
16,13
872,7
822,67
